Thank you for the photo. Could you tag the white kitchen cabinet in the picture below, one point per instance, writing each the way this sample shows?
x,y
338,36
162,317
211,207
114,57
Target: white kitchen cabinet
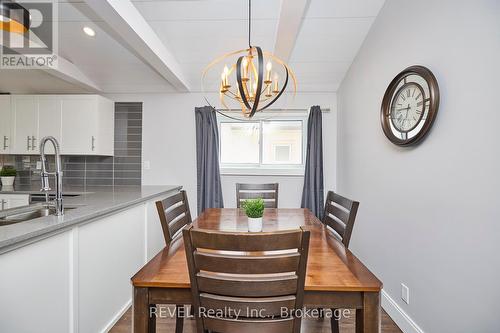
x,y
49,120
8,201
5,124
24,124
37,277
87,125
82,124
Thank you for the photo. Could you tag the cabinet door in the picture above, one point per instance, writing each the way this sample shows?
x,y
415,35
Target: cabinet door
x,y
5,123
25,124
49,121
79,125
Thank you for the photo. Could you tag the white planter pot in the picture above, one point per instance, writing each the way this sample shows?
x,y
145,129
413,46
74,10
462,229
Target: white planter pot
x,y
255,224
8,181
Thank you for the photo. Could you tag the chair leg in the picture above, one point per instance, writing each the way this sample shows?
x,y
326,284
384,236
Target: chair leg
x,y
179,318
334,322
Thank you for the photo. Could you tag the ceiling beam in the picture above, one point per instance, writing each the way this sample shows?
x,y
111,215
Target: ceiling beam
x,y
289,24
121,18
68,72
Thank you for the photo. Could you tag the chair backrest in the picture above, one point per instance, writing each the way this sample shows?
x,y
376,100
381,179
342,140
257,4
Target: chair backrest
x,y
268,192
174,214
340,214
255,275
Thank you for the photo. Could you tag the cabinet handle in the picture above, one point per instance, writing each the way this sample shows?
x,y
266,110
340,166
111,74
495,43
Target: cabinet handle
x,y
5,139
93,143
33,141
28,145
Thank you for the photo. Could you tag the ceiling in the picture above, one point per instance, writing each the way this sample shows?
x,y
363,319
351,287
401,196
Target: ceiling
x,y
330,33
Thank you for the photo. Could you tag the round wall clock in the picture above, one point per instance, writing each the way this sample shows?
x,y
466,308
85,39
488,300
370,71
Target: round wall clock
x,y
410,106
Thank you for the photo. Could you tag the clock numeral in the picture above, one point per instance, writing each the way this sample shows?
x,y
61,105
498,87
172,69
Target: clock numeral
x,y
407,92
420,103
419,96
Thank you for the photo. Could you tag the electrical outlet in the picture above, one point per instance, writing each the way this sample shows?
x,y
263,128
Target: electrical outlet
x,y
147,165
405,293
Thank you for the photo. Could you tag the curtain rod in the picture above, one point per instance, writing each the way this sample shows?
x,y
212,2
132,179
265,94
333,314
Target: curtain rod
x,y
281,110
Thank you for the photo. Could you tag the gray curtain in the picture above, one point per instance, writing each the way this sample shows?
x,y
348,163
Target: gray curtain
x,y
207,159
313,192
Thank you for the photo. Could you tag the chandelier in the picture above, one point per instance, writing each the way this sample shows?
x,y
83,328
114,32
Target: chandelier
x,y
252,82
14,17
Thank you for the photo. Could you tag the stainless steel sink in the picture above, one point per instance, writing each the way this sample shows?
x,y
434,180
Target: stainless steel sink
x,y
27,213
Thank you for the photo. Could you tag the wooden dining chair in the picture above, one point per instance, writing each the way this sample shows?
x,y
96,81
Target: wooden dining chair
x,y
268,192
258,274
340,214
174,214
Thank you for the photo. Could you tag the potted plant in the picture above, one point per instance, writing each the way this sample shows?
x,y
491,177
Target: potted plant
x,y
254,209
8,175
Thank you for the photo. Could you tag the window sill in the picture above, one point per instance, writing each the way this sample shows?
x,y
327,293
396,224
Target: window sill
x,y
289,172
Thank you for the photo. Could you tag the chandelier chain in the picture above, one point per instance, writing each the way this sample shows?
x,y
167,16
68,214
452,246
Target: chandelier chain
x,y
249,23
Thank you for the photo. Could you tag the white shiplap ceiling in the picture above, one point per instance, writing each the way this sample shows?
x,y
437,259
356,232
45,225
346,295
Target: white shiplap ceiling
x,y
196,32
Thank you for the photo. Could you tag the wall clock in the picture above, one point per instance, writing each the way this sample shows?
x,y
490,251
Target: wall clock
x,y
410,105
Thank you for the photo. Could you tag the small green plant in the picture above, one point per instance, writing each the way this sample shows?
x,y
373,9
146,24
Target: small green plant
x,y
8,171
254,208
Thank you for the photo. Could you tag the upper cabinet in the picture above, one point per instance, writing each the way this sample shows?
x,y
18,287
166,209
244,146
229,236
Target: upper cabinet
x,y
5,116
87,125
82,124
25,124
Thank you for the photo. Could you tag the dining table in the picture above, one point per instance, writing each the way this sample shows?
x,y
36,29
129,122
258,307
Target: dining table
x,y
335,277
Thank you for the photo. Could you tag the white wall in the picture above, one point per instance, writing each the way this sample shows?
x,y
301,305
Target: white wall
x,y
169,144
429,215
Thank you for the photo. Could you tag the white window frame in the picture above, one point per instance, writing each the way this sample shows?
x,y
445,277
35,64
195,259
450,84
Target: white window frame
x,y
250,169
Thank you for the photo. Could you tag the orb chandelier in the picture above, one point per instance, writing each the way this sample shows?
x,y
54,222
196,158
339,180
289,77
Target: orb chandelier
x,y
14,17
252,82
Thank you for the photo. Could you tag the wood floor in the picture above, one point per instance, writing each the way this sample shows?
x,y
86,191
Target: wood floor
x,y
124,325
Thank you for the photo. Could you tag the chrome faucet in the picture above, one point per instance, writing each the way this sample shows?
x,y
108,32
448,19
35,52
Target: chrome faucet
x,y
58,202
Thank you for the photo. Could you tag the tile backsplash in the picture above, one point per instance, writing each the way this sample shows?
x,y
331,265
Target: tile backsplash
x,y
122,169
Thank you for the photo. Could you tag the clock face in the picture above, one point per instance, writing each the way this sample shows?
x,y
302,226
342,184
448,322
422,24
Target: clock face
x,y
407,108
410,105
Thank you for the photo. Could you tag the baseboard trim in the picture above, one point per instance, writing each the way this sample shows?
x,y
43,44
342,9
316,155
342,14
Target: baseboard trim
x,y
117,317
405,323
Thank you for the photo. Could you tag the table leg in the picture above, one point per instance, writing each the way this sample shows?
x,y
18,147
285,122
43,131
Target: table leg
x,y
359,320
370,313
140,319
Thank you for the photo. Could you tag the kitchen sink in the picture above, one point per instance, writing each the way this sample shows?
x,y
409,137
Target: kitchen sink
x,y
27,213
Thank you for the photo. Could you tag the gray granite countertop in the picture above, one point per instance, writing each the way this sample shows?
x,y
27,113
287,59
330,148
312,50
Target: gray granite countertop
x,y
92,203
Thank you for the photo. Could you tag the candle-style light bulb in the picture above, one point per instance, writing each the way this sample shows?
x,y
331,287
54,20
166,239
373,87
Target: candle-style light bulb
x,y
269,66
276,88
223,83
225,78
244,64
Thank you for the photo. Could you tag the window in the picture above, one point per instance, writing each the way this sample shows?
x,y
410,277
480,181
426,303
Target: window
x,y
263,146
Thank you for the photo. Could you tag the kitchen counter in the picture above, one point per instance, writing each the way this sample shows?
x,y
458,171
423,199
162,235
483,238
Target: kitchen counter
x,y
95,203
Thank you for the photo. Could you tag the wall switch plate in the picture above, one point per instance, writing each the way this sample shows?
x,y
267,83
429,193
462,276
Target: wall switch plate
x,y
405,293
38,165
147,165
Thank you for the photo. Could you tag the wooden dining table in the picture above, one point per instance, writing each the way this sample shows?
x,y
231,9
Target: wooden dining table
x,y
335,278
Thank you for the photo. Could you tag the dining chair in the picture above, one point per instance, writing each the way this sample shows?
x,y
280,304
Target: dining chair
x,y
268,192
174,214
339,216
252,282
